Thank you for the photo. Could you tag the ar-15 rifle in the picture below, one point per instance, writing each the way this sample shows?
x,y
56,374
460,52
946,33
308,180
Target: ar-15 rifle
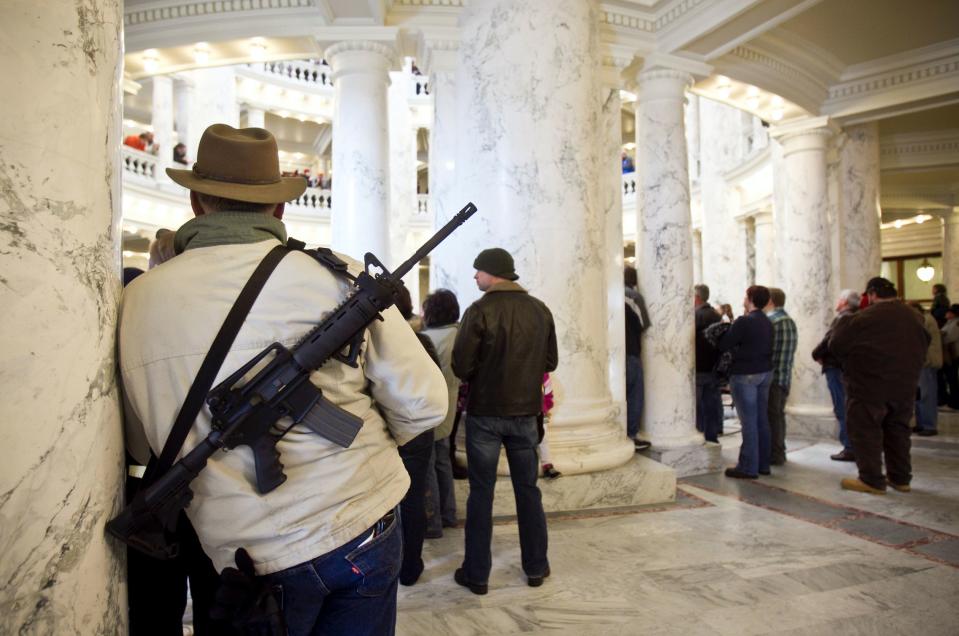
x,y
248,414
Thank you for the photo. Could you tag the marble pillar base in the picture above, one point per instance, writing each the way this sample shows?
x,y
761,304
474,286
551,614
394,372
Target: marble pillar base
x,y
695,459
811,422
640,481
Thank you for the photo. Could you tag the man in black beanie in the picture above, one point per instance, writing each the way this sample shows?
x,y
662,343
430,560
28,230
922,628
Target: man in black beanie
x,y
506,343
882,350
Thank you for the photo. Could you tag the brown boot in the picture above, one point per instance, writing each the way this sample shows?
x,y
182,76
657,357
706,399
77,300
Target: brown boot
x,y
856,484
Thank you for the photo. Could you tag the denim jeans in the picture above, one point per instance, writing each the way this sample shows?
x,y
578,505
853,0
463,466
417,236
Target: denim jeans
x,y
416,458
634,394
838,394
777,423
439,490
927,406
484,436
751,395
350,591
709,405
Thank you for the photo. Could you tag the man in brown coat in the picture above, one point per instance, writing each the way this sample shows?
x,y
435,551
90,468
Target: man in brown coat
x,y
882,350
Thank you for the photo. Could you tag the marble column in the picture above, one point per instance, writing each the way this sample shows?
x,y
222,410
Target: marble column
x,y
950,252
361,148
697,256
402,180
255,117
528,109
162,122
450,265
859,212
806,273
61,443
765,248
211,100
665,265
613,212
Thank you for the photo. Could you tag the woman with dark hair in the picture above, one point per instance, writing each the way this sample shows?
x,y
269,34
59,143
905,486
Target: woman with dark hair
x,y
441,311
750,340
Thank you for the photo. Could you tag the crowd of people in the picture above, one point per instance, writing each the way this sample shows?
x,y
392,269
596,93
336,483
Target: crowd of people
x,y
885,364
325,551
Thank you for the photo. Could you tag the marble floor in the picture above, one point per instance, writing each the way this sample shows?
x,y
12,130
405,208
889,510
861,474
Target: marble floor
x,y
790,553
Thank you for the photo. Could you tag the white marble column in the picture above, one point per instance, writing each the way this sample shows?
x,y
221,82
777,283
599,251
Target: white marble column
x,y
665,267
61,443
697,256
402,180
162,122
528,155
450,264
806,274
950,253
613,213
361,148
859,212
211,100
255,117
765,248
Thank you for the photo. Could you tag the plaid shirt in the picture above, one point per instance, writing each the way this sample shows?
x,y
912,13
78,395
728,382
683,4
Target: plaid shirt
x,y
785,339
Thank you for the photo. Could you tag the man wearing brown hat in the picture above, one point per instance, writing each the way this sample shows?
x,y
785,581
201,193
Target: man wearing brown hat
x,y
327,536
881,350
506,343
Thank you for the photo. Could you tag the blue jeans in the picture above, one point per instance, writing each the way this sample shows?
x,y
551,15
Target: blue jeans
x,y
838,394
709,405
634,394
439,493
927,406
751,395
350,590
484,436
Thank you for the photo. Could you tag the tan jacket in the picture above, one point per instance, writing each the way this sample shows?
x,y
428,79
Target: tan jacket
x,y
443,339
934,353
168,320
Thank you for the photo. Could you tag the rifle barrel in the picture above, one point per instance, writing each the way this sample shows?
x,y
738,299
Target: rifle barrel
x,y
458,219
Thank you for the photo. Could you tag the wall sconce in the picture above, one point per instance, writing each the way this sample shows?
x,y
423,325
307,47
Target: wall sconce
x,y
151,61
926,271
201,52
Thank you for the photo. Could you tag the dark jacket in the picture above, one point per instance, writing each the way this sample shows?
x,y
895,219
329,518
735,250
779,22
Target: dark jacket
x,y
505,344
882,350
821,352
706,354
636,322
750,340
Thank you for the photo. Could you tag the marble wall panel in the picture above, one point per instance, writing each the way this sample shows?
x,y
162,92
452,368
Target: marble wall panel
x,y
61,448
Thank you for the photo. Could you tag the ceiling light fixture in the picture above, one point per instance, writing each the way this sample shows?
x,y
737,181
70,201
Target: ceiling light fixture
x,y
897,224
258,49
752,91
723,87
752,103
776,114
926,271
201,52
151,61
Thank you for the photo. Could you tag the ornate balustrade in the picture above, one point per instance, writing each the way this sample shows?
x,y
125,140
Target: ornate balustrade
x,y
313,200
305,72
419,86
141,165
629,187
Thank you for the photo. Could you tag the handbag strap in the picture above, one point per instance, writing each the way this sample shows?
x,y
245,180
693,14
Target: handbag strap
x,y
213,361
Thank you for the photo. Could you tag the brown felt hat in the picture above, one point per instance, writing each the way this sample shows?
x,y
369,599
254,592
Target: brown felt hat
x,y
239,164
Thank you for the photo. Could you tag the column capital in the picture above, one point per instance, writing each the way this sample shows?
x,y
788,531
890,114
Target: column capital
x,y
763,217
664,61
615,59
663,83
810,133
359,56
437,50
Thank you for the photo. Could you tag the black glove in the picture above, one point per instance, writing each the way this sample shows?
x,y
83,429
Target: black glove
x,y
250,604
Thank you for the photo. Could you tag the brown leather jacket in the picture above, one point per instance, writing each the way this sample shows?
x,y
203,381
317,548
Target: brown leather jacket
x,y
506,342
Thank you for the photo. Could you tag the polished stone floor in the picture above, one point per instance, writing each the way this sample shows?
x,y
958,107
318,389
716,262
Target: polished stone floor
x,y
790,553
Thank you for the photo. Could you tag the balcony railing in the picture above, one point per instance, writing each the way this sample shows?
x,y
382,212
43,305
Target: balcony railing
x,y
142,165
629,187
313,199
304,72
419,86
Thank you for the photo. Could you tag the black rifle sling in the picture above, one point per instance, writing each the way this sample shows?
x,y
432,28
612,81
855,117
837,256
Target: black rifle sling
x,y
213,361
